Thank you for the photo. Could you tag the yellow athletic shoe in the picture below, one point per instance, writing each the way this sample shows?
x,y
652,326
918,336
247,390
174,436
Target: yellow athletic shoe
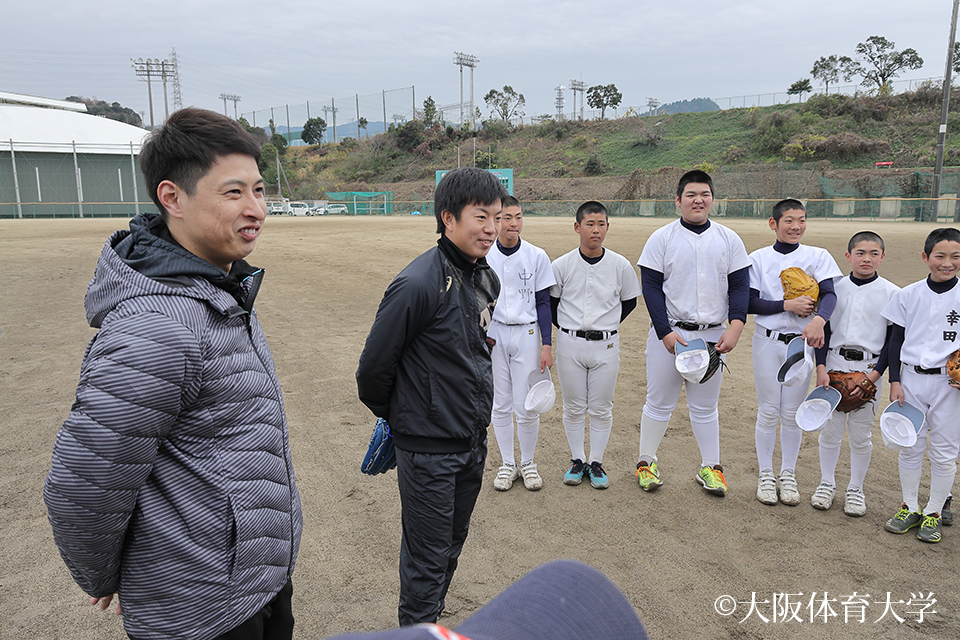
x,y
712,480
648,476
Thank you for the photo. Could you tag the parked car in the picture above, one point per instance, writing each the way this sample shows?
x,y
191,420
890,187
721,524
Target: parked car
x,y
316,211
337,209
299,208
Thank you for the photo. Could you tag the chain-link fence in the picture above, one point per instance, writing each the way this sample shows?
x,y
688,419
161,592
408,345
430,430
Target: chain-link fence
x,y
38,183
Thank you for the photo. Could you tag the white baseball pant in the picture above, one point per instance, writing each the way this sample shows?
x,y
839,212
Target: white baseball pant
x,y
588,380
515,356
776,403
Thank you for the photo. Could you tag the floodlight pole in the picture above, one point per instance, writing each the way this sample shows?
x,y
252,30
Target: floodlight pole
x,y
235,99
143,70
575,86
466,60
945,108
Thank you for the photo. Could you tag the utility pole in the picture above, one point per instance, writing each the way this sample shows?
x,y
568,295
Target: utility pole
x,y
575,86
466,60
945,108
230,96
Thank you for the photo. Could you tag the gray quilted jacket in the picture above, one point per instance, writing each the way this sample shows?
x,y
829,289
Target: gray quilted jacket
x,y
172,480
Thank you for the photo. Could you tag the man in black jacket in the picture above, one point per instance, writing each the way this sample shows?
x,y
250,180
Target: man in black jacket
x,y
426,370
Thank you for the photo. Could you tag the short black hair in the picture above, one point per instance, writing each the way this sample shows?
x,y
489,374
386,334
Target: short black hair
x,y
865,236
790,204
696,175
588,207
510,201
460,187
948,234
183,149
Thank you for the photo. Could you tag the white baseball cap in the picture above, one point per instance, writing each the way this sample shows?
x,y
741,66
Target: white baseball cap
x,y
899,426
692,359
819,405
541,395
798,364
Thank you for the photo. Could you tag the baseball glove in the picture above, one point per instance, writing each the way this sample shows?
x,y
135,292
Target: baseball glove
x,y
797,282
845,382
715,362
381,456
953,368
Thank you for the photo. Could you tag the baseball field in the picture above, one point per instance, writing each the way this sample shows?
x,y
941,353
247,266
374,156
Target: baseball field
x,y
689,562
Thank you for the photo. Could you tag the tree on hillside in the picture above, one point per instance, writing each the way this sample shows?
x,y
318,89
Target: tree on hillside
x,y
113,111
313,130
800,87
878,62
956,57
429,112
603,96
505,104
258,133
829,69
362,124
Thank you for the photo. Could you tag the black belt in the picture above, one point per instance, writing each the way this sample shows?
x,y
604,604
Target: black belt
x,y
693,326
785,338
590,335
855,354
929,372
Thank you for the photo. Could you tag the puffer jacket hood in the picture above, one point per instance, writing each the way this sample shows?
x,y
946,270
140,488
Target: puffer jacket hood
x,y
167,269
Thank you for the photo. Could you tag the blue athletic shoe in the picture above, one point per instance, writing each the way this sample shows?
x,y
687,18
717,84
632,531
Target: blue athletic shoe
x,y
575,474
598,477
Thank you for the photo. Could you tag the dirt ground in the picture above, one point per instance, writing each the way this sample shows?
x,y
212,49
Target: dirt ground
x,y
674,553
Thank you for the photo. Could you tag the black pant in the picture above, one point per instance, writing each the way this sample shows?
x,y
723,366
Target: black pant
x,y
437,496
274,621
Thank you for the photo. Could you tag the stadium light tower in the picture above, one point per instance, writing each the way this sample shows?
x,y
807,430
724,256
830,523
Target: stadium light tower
x,y
466,60
145,69
230,96
575,86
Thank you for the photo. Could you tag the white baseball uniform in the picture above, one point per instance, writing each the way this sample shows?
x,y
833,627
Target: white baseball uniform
x,y
695,268
930,321
857,335
588,364
516,353
776,402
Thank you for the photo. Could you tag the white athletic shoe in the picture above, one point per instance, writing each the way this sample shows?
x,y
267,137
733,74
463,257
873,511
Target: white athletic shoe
x,y
767,488
505,477
788,489
823,497
531,478
854,503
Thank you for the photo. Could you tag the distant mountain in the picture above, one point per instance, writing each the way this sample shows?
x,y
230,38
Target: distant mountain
x,y
689,106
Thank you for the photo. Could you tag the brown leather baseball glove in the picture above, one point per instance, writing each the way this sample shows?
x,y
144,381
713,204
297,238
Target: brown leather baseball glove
x,y
953,368
845,382
797,282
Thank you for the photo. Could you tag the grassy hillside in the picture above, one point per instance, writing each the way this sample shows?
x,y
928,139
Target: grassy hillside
x,y
836,132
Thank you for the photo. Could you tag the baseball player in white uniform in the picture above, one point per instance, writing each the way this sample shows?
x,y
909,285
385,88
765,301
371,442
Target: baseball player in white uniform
x,y
853,341
595,291
926,320
778,321
521,328
695,275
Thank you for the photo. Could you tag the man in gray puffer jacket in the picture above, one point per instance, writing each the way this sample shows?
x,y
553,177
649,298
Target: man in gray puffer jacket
x,y
172,482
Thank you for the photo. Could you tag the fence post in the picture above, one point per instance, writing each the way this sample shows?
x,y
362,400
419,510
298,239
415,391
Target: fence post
x,y
16,182
76,172
133,174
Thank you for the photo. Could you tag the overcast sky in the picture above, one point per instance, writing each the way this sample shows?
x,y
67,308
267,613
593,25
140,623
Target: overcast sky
x,y
288,52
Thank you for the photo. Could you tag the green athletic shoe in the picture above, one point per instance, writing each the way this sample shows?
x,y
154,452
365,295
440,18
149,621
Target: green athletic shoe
x,y
930,529
648,476
713,480
903,521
